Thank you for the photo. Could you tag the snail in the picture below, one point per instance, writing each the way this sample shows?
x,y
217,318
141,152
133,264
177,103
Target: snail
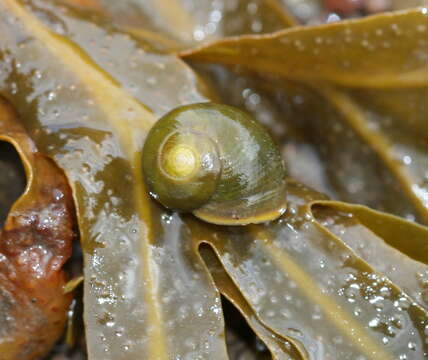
x,y
217,162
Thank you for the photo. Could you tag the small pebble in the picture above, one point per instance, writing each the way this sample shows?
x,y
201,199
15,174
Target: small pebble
x,y
375,6
344,7
350,7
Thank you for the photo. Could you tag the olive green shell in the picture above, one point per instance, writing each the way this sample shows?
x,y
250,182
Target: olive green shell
x,y
217,162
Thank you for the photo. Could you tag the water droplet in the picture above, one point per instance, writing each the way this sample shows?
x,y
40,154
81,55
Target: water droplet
x,y
407,160
256,26
421,28
198,34
357,311
107,319
396,29
252,8
216,15
295,333
333,17
210,28
411,345
299,45
254,99
166,218
402,303
51,95
374,322
384,291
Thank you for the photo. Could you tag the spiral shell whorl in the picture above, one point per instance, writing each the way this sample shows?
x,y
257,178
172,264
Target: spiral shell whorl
x,y
216,161
183,170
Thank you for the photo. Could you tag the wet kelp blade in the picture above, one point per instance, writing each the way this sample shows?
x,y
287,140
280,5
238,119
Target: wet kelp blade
x,y
312,130
361,171
374,343
141,283
143,279
360,47
405,262
279,347
370,72
317,291
179,24
400,152
35,242
146,73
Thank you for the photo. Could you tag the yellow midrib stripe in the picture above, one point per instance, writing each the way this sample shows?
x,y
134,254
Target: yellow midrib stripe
x,y
376,141
265,65
228,288
176,17
339,318
112,100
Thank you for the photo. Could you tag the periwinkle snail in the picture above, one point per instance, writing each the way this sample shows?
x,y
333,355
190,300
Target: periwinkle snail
x,y
216,162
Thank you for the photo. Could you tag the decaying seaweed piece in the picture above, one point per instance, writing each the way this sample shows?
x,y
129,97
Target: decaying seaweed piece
x,y
35,242
150,292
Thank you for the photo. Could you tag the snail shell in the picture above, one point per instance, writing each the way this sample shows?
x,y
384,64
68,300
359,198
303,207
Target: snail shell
x,y
217,162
